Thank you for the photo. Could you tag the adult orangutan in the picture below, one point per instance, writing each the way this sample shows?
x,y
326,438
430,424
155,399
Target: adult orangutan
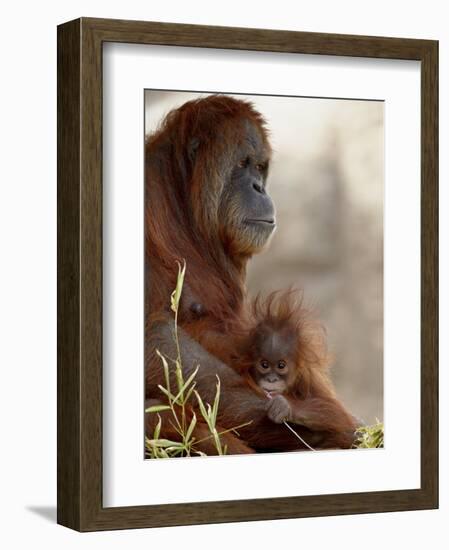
x,y
206,202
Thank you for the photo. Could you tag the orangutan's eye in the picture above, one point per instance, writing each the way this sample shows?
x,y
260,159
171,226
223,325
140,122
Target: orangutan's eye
x,y
282,365
264,364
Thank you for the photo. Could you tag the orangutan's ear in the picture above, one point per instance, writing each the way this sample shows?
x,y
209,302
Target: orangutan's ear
x,y
193,148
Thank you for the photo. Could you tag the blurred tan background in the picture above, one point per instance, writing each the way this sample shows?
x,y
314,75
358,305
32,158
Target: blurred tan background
x,y
326,180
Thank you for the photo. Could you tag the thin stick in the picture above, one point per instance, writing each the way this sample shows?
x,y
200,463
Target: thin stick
x,y
299,437
223,432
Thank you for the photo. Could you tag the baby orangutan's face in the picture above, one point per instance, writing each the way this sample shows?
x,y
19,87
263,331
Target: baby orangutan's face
x,y
273,371
271,377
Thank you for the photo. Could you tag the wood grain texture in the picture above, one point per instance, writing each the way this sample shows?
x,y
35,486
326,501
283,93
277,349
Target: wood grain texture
x,y
80,273
429,272
69,408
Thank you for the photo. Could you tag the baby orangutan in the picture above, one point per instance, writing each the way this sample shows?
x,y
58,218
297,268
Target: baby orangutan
x,y
284,357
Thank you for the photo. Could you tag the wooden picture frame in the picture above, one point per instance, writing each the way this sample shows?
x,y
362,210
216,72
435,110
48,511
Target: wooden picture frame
x,y
80,43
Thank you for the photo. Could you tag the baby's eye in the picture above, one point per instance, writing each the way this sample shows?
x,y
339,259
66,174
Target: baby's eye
x,y
281,365
264,364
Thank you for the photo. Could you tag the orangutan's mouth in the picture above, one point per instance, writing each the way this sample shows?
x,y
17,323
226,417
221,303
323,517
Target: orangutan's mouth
x,y
270,222
273,386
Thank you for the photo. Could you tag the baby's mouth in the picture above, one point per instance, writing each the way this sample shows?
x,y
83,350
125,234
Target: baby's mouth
x,y
273,387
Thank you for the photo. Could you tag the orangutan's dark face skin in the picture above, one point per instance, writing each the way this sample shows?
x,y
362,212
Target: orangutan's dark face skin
x,y
273,370
246,210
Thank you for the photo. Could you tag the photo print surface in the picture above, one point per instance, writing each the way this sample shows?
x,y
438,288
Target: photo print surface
x,y
263,274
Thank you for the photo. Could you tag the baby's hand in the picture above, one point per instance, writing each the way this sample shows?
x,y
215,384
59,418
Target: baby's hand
x,y
278,409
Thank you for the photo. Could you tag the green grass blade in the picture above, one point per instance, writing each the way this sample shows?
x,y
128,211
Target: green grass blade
x,y
191,428
189,392
167,393
184,386
176,294
217,441
216,402
203,409
165,443
166,370
157,408
157,429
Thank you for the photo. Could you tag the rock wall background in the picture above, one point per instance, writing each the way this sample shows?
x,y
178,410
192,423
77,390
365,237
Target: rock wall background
x,y
326,180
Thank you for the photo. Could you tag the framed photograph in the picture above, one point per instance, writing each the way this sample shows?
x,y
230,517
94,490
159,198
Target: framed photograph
x,y
247,274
